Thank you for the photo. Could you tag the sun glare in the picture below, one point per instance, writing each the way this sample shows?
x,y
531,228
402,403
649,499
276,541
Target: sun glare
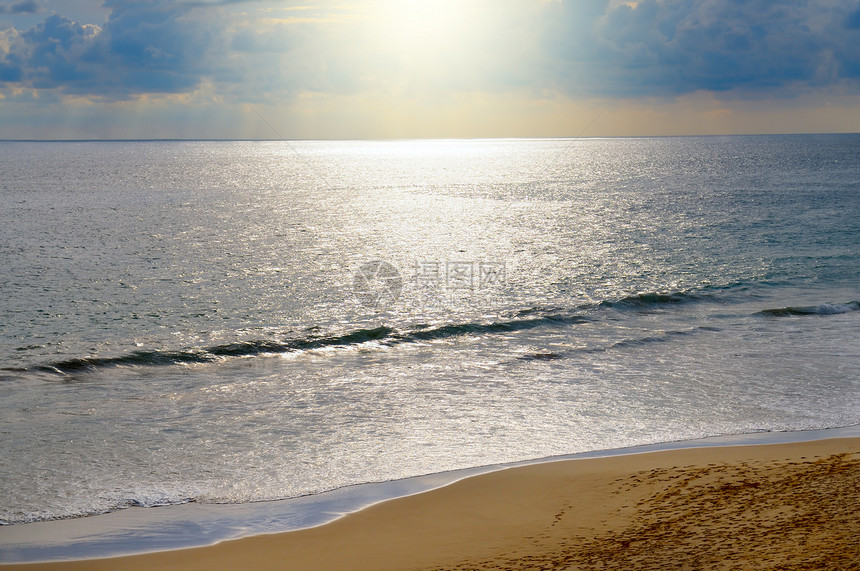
x,y
423,32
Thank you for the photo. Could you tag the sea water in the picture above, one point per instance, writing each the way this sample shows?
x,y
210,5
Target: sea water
x,y
235,322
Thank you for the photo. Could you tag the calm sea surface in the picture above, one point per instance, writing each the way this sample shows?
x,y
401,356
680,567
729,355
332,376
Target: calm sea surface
x,y
247,321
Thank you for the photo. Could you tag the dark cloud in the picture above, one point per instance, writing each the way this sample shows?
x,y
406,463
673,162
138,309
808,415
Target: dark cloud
x,y
156,46
146,46
207,3
24,7
671,47
662,48
9,72
852,20
53,52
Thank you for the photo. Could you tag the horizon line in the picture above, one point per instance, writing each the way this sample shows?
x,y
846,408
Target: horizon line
x,y
407,139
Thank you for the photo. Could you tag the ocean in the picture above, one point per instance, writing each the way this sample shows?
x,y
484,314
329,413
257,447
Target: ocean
x,y
224,322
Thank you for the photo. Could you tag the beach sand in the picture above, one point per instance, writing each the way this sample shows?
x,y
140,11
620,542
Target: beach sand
x,y
779,506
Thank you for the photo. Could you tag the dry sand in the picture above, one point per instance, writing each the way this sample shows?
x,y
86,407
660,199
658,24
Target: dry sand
x,y
780,506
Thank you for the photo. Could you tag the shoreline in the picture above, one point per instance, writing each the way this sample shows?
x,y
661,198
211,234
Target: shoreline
x,y
190,526
769,505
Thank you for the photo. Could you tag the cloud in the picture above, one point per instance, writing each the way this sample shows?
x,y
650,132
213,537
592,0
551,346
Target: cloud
x,y
52,52
208,3
148,46
672,47
588,48
157,46
24,7
852,20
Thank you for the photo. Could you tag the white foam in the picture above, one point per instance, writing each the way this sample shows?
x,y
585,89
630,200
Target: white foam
x,y
141,530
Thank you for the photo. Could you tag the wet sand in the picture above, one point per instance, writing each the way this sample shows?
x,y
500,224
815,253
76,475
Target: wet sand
x,y
777,506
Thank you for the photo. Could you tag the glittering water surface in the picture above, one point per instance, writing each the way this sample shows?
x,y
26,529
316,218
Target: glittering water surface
x,y
245,321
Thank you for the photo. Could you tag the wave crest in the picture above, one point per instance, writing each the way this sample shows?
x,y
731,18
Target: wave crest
x,y
823,309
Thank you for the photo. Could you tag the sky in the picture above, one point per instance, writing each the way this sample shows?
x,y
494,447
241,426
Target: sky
x,y
371,69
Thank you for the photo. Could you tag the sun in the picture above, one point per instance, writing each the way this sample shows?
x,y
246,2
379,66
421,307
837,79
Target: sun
x,y
427,32
419,22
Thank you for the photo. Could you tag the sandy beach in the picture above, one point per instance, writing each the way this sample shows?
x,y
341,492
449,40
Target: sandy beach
x,y
780,506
